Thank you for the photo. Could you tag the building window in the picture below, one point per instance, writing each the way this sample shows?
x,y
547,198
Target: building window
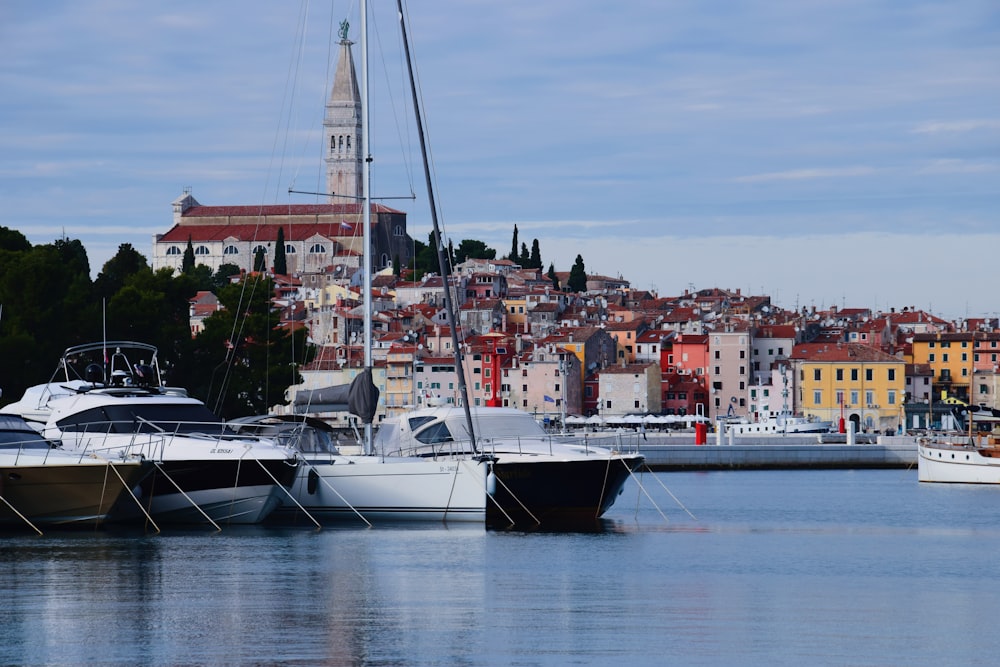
x,y
230,250
869,398
317,249
173,250
891,397
817,374
817,397
289,249
892,374
868,374
398,230
840,375
854,397
260,248
201,250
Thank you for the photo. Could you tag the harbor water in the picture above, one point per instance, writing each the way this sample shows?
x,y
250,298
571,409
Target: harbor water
x,y
824,567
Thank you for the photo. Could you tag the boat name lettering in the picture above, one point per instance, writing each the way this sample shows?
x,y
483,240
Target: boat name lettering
x,y
221,451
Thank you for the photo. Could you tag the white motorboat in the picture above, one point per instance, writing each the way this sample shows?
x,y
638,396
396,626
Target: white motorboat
x,y
539,479
119,410
778,423
41,484
974,459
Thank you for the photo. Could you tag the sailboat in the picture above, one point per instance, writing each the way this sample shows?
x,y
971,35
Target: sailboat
x,y
332,486
536,480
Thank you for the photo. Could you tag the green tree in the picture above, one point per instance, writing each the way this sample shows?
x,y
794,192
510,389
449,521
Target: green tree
x,y
577,281
525,257
553,277
260,260
154,307
224,275
187,263
472,249
242,363
48,305
280,260
535,261
513,256
126,262
11,239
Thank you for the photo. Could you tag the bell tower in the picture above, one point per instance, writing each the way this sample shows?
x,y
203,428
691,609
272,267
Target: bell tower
x,y
342,128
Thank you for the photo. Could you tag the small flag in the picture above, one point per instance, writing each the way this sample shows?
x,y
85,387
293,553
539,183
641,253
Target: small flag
x,y
549,399
345,225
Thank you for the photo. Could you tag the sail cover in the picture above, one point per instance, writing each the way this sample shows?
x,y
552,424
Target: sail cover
x,y
363,397
327,399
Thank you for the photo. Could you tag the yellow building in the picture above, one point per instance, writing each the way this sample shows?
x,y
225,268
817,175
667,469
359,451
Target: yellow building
x,y
952,357
864,385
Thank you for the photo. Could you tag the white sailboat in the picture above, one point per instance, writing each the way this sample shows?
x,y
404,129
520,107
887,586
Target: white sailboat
x,y
332,486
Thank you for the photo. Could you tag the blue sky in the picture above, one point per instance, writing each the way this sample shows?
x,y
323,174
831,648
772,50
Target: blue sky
x,y
822,152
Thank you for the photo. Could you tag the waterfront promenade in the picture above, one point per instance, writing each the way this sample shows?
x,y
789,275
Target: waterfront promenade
x,y
666,452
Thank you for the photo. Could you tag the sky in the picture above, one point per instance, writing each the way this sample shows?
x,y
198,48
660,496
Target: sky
x,y
821,152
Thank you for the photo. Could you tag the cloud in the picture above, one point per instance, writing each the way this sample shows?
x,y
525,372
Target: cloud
x,y
807,174
956,126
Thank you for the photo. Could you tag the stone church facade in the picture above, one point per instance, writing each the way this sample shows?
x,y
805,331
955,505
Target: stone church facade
x,y
319,238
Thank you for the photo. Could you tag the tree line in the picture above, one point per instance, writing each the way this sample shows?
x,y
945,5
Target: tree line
x,y
425,259
240,364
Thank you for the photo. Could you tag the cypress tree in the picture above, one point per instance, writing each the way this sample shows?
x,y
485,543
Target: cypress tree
x,y
536,256
513,256
280,261
187,263
577,276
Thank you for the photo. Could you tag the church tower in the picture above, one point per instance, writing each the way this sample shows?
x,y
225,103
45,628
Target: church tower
x,y
342,128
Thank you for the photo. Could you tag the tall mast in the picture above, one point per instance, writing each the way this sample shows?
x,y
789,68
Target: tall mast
x,y
366,270
442,261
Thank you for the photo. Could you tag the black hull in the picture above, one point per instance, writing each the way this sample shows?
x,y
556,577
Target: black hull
x,y
551,494
193,476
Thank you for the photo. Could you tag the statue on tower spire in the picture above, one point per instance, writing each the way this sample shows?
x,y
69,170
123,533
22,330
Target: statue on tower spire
x,y
344,25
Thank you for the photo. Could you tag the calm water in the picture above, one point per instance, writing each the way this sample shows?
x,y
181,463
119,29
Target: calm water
x,y
792,568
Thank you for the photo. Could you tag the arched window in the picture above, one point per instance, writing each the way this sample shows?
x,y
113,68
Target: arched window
x,y
317,248
399,230
348,143
341,147
260,248
231,250
333,144
385,260
201,250
173,250
289,249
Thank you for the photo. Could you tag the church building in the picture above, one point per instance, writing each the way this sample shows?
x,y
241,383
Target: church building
x,y
324,240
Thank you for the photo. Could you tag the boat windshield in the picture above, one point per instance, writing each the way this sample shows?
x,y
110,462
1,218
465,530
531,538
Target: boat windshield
x,y
16,434
147,418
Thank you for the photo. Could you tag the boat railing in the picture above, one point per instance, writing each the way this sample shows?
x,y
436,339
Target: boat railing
x,y
625,443
150,440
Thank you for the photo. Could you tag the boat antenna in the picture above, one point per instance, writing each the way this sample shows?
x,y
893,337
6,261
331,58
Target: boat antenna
x,y
442,261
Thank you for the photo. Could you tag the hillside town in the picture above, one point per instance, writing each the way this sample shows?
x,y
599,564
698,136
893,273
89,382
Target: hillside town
x,y
612,351
550,345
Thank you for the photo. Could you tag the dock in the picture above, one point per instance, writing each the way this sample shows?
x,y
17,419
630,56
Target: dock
x,y
673,452
779,452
